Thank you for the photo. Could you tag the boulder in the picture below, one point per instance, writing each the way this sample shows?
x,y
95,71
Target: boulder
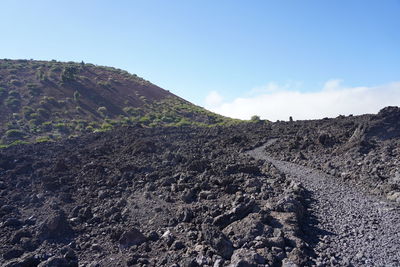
x,y
245,230
217,240
55,226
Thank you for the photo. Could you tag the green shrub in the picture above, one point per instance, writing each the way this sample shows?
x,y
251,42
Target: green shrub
x,y
35,121
94,124
68,73
3,93
34,89
15,133
80,125
42,113
89,129
43,139
131,111
46,126
27,111
106,126
102,111
13,103
62,127
169,119
18,142
104,84
12,125
145,120
49,100
61,103
77,96
40,75
55,69
16,116
183,122
14,94
14,82
255,118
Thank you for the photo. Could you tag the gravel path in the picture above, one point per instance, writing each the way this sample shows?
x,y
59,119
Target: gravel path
x,y
345,226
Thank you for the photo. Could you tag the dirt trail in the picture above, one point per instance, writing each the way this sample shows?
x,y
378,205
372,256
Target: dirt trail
x,y
345,226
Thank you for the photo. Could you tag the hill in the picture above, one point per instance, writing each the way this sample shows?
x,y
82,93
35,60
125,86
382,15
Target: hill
x,y
47,100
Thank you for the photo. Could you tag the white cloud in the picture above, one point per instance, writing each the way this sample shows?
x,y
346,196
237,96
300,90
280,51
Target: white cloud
x,y
332,100
273,87
213,99
332,85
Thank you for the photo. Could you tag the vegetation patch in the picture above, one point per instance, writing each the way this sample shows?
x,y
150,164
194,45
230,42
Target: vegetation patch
x,y
55,100
14,133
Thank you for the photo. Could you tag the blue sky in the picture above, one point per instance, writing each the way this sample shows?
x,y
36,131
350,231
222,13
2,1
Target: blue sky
x,y
217,53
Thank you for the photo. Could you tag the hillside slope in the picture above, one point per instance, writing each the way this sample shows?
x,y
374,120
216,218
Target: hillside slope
x,y
44,100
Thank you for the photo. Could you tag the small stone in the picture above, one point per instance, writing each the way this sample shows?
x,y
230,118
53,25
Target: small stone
x,y
54,262
188,195
275,242
12,222
102,194
6,209
218,263
96,247
153,236
359,255
70,255
289,263
246,258
177,245
2,185
278,232
16,237
12,253
131,238
26,260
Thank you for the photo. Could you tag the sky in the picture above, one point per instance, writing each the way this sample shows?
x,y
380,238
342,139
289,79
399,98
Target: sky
x,y
308,59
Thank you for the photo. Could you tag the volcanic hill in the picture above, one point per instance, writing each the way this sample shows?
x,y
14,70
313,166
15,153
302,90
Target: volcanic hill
x,y
47,100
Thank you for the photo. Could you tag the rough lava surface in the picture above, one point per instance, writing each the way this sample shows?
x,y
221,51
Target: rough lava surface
x,y
363,150
149,197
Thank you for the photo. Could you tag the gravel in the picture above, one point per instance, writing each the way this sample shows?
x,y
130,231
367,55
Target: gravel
x,y
346,225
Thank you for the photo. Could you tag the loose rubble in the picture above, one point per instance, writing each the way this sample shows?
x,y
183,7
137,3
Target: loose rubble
x,y
148,197
344,226
364,150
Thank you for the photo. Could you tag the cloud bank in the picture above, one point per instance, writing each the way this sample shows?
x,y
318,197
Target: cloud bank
x,y
278,103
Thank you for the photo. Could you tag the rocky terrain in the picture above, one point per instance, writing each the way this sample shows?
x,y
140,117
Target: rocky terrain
x,y
149,197
363,150
344,226
99,167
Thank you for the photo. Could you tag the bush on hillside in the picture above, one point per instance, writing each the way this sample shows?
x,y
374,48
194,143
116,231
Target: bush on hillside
x,y
68,73
255,118
13,103
15,133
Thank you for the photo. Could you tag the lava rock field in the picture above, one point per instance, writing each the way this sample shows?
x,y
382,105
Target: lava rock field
x,y
149,197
